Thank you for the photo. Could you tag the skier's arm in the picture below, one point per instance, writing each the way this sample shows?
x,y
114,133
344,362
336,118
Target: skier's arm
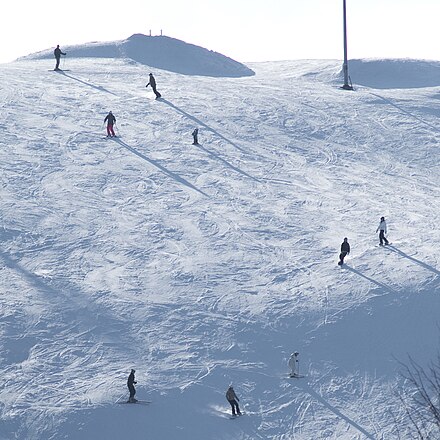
x,y
147,85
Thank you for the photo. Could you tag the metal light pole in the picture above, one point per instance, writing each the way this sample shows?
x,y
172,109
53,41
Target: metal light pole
x,y
346,85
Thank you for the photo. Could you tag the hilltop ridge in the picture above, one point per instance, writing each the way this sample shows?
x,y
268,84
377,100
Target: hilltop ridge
x,y
160,52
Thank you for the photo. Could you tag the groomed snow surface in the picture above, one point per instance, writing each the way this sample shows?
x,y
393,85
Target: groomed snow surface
x,y
201,266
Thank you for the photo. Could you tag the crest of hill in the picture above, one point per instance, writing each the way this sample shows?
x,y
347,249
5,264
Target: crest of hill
x,y
395,73
160,52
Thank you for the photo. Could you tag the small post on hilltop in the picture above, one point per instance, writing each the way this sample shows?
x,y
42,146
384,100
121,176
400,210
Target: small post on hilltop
x,y
346,85
150,32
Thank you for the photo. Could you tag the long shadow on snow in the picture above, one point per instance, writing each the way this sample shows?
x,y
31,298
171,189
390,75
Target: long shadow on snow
x,y
83,309
100,88
169,173
400,108
216,156
40,285
306,388
401,253
371,280
198,121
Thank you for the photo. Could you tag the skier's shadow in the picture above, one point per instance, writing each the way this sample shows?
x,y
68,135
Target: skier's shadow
x,y
164,170
199,122
371,280
100,88
308,389
421,263
225,162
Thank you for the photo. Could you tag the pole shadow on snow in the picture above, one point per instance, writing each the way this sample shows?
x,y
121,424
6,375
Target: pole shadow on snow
x,y
371,280
100,88
308,389
225,162
164,170
406,112
199,122
421,263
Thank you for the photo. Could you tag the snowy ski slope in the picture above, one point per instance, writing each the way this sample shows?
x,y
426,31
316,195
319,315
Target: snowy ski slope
x,y
204,265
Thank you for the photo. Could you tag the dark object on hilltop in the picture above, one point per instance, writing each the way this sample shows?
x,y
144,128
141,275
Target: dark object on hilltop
x,y
57,53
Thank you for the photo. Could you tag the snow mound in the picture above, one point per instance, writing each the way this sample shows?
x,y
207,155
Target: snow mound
x,y
395,73
160,52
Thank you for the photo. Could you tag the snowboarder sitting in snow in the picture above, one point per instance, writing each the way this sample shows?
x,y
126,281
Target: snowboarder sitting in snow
x,y
194,135
110,121
233,399
383,230
57,52
152,83
130,384
345,250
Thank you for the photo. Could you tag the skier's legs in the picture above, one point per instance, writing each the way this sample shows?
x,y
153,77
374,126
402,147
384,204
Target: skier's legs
x,y
158,95
132,393
57,64
237,408
232,403
382,237
342,255
110,131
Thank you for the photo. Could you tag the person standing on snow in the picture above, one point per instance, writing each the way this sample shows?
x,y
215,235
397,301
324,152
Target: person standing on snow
x,y
195,134
152,83
293,364
383,230
233,400
130,383
110,119
57,53
345,250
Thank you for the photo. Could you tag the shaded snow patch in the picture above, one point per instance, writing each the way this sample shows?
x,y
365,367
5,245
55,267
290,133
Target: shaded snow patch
x,y
160,52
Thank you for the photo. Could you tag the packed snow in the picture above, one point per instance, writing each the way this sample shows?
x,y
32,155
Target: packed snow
x,y
160,52
205,265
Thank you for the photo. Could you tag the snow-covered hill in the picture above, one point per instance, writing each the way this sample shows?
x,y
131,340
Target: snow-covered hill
x,y
160,52
204,265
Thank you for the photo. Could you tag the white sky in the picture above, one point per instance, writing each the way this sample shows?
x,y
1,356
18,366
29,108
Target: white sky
x,y
246,30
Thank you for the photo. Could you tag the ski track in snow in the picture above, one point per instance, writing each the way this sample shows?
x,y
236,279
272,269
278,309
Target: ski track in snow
x,y
205,265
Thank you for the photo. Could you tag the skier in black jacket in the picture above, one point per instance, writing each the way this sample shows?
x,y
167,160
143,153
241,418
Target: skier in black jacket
x,y
57,53
130,384
345,250
152,83
110,119
233,400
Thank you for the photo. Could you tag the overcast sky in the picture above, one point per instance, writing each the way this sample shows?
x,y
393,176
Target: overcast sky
x,y
246,30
